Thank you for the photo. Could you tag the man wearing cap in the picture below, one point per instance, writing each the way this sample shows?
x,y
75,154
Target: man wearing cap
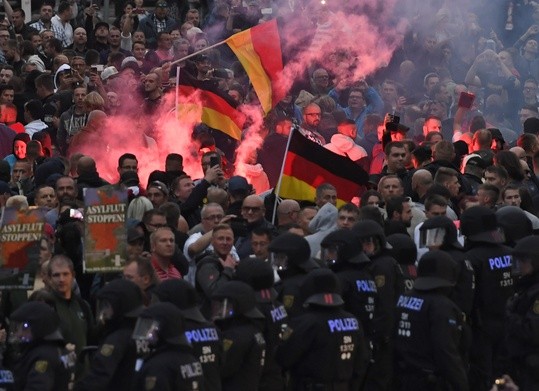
x,y
99,39
157,193
156,22
473,169
108,74
492,263
429,330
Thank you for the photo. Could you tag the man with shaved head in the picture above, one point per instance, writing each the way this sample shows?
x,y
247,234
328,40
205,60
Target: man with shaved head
x,y
252,211
88,177
287,213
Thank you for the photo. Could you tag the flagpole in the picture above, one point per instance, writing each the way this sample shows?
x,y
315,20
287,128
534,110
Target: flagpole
x,y
278,188
177,95
197,53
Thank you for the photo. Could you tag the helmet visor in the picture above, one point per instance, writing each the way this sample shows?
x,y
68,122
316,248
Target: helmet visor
x,y
104,311
222,309
146,329
279,261
330,254
433,237
371,245
20,332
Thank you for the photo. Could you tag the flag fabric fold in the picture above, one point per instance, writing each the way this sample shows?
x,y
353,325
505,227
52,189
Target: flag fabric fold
x,y
218,109
259,51
307,165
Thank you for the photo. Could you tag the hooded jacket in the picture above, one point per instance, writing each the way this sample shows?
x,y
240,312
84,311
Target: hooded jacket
x,y
345,146
322,224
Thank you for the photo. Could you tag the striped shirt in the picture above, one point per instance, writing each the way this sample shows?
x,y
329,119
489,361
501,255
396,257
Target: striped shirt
x,y
40,26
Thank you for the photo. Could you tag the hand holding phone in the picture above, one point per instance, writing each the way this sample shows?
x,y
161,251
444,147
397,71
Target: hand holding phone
x,y
466,100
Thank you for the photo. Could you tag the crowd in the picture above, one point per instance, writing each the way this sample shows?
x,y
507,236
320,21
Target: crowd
x,y
428,281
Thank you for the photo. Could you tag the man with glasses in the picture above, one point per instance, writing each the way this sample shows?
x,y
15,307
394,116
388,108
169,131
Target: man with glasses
x,y
199,244
253,212
312,114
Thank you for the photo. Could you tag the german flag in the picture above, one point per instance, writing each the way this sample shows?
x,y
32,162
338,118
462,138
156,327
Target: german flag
x,y
308,165
218,109
259,51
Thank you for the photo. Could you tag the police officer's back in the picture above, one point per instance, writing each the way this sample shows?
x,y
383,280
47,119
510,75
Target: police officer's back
x,y
343,253
491,261
200,333
324,347
404,251
259,275
241,325
428,335
523,316
118,304
169,363
440,233
290,256
389,282
41,361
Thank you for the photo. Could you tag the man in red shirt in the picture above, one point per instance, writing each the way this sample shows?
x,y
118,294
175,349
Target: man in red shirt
x,y
162,247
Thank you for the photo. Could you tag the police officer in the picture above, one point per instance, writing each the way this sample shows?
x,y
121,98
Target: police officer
x,y
429,330
169,363
515,224
440,233
389,285
200,333
404,251
523,315
241,324
343,253
290,255
259,275
491,261
324,348
40,360
118,305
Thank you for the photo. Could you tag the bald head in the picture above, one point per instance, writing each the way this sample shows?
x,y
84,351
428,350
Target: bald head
x,y
288,211
520,152
252,208
421,181
86,165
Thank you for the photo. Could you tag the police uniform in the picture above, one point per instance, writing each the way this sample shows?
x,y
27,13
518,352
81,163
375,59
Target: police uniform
x,y
243,340
389,283
428,330
170,364
324,348
491,262
523,319
292,275
260,276
42,363
111,367
203,336
404,251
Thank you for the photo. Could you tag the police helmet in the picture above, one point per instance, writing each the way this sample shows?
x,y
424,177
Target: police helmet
x,y
342,246
321,287
118,299
160,322
255,272
183,295
232,299
479,224
436,269
371,232
526,250
34,321
514,222
404,249
439,231
291,250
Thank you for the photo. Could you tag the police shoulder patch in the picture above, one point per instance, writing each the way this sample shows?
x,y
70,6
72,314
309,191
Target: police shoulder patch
x,y
536,307
149,383
41,366
227,343
106,350
288,301
380,281
286,332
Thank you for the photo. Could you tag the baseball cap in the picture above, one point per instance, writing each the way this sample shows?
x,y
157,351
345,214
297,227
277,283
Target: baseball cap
x,y
159,185
101,24
237,182
108,72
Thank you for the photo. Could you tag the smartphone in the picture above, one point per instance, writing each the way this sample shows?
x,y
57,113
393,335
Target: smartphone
x,y
466,99
392,122
215,161
138,10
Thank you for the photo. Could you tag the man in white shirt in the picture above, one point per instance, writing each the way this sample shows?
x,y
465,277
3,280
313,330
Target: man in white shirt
x,y
61,22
